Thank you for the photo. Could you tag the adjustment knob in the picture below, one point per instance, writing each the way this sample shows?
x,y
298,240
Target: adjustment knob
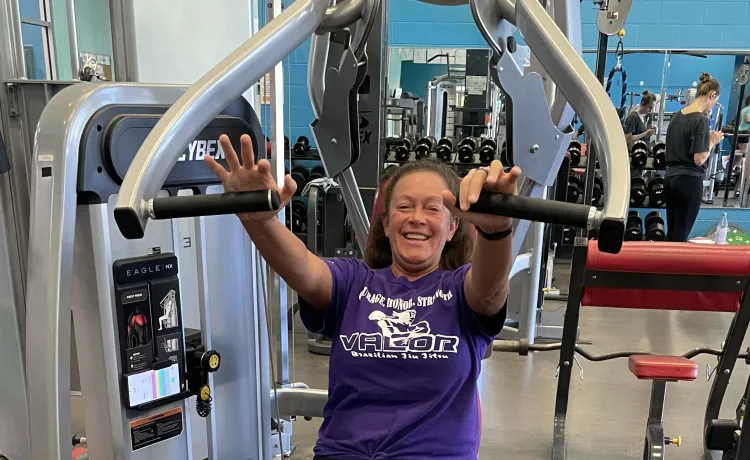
x,y
204,393
210,361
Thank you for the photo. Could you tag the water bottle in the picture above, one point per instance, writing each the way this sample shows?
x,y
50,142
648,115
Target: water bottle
x,y
722,230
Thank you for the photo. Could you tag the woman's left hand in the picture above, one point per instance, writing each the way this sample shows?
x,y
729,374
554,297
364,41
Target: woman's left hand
x,y
492,179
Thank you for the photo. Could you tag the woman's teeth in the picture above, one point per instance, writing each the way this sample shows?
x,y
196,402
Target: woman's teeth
x,y
415,236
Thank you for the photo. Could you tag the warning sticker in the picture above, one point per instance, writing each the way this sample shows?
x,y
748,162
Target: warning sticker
x,y
157,428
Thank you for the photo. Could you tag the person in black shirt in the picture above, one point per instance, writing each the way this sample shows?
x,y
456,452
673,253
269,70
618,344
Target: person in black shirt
x,y
689,143
635,123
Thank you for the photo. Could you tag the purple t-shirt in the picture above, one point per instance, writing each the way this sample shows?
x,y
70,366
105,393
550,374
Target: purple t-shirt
x,y
404,364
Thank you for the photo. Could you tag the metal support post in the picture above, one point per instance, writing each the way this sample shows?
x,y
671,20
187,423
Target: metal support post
x,y
601,62
124,59
277,288
527,320
742,80
663,94
75,61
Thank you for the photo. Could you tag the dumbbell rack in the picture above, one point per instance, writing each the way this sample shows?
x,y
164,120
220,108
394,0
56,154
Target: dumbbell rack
x,y
304,165
460,167
574,166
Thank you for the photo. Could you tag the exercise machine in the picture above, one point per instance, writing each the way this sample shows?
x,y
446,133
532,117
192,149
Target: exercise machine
x,y
83,264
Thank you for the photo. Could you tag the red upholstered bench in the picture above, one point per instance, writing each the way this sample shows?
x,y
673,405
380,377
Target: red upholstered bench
x,y
659,367
660,276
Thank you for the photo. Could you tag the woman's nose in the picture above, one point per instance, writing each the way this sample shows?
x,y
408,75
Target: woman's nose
x,y
417,216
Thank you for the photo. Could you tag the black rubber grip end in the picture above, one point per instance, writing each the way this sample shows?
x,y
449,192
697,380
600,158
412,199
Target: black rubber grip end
x,y
275,200
129,224
611,235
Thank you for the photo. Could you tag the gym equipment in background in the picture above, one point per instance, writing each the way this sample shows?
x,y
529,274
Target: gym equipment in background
x,y
424,146
302,146
299,216
638,191
318,172
487,151
574,151
598,191
655,227
639,154
659,153
575,187
466,149
444,149
402,151
301,176
634,228
655,185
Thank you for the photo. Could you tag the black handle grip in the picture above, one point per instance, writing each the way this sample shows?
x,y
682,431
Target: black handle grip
x,y
4,162
533,209
215,204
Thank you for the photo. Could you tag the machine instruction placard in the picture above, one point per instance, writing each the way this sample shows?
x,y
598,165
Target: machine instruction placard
x,y
476,85
156,428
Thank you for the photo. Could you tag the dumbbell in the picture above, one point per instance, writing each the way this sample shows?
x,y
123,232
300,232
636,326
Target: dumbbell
x,y
402,151
639,154
301,146
655,187
598,191
317,172
574,150
466,149
655,227
299,216
425,145
487,151
575,188
301,176
444,149
638,193
660,155
634,227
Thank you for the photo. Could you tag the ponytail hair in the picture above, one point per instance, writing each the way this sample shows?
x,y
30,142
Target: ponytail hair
x,y
647,98
708,85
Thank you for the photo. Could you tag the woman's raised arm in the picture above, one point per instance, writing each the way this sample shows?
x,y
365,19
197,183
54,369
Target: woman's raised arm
x,y
305,272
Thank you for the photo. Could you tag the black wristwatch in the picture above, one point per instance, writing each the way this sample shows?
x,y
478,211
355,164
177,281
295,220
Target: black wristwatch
x,y
497,236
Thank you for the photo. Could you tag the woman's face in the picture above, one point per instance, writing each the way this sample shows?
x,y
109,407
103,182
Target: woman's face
x,y
417,223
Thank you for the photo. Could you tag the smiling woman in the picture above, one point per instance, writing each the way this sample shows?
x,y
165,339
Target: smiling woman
x,y
409,326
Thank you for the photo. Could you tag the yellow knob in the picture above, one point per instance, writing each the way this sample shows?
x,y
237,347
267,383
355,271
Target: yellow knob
x,y
621,33
205,392
213,362
677,441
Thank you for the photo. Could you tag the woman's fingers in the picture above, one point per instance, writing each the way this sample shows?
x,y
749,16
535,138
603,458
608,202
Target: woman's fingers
x,y
477,184
287,191
226,145
496,172
248,156
507,181
218,169
449,201
463,194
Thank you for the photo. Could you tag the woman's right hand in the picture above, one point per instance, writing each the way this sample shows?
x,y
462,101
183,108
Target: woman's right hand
x,y
248,176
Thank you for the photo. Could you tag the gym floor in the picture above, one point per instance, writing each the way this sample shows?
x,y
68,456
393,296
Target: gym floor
x,y
607,409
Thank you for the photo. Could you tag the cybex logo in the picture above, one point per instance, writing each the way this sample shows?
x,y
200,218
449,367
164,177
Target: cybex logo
x,y
199,149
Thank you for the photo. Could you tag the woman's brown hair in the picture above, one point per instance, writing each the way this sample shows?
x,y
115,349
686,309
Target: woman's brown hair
x,y
707,85
457,251
647,98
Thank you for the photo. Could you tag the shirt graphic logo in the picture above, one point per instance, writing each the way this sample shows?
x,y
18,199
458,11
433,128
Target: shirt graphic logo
x,y
400,337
